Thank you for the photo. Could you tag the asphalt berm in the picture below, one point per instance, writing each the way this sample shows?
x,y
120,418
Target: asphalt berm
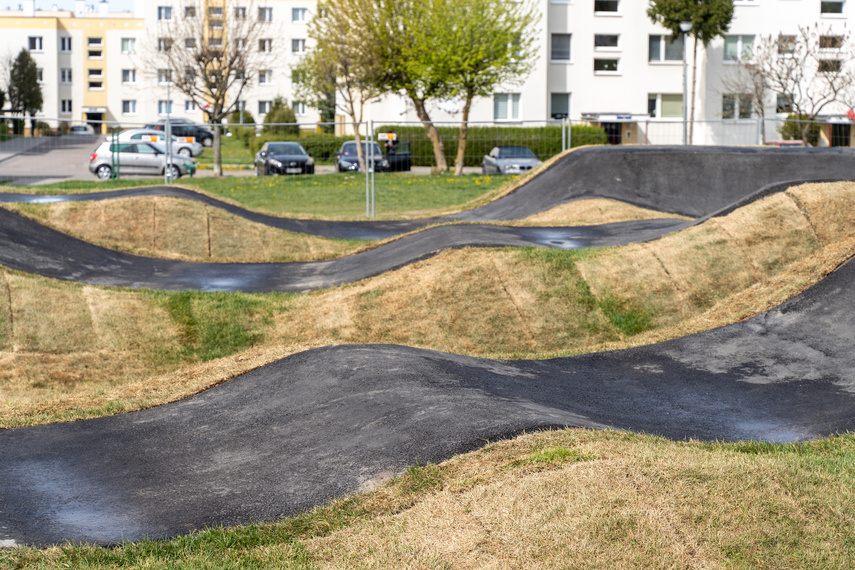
x,y
331,421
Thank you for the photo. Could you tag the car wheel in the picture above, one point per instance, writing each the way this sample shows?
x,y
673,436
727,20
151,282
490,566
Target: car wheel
x,y
174,172
104,172
209,142
185,152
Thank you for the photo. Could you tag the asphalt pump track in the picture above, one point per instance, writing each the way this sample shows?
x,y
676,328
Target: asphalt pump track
x,y
332,421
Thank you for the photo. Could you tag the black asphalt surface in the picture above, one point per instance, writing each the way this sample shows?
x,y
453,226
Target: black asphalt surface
x,y
332,421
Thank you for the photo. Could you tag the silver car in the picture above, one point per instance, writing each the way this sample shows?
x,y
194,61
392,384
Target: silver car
x,y
146,158
509,160
179,144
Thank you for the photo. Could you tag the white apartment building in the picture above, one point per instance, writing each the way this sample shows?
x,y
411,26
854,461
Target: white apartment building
x,y
602,61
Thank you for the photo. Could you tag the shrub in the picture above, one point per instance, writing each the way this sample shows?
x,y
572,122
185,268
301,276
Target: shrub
x,y
243,134
791,129
281,119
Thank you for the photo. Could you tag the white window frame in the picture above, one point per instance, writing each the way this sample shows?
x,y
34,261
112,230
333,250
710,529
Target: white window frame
x,y
129,45
299,108
129,106
663,46
65,106
737,107
189,106
65,44
265,14
265,45
264,107
129,76
164,76
95,54
94,42
657,112
512,106
607,13
740,47
551,100
265,77
240,13
164,107
840,14
607,48
299,15
65,75
40,75
95,85
164,13
298,45
616,71
35,43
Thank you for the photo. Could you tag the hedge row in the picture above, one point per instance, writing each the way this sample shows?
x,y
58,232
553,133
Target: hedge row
x,y
545,141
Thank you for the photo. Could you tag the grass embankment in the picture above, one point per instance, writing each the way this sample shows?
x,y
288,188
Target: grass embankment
x,y
327,196
175,228
570,498
71,351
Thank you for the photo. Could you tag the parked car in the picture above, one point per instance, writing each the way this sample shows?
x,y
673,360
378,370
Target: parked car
x,y
283,158
185,128
509,160
179,145
81,130
399,157
348,161
146,158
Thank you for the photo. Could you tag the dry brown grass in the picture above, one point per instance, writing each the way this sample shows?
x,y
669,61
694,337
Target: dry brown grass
x,y
77,351
176,228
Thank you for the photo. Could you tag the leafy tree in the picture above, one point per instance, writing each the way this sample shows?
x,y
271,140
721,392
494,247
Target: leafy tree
x,y
800,127
710,19
485,44
25,93
281,119
211,53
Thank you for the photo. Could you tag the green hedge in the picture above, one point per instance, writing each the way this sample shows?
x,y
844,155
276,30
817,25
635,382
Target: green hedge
x,y
545,141
322,146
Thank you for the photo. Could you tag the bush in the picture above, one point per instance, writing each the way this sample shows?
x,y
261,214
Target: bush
x,y
42,128
791,130
544,141
243,134
281,119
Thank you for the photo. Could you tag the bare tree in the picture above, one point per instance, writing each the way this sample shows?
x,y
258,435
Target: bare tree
x,y
210,51
809,70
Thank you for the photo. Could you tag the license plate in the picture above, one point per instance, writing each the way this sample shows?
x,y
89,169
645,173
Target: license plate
x,y
293,170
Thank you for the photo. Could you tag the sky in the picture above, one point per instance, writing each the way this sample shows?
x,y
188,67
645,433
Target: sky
x,y
115,5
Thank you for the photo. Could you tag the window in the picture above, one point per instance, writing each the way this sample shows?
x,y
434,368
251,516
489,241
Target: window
x,y
215,12
606,6
189,75
164,107
265,45
664,105
35,43
265,14
164,76
829,66
506,107
215,24
299,108
602,65
783,104
265,76
559,104
164,44
65,75
96,85
65,106
240,13
190,11
215,43
190,43
831,7
164,12
830,43
786,44
298,46
65,44
735,106
560,50
129,45
95,42
40,75
240,43
737,48
129,76
95,54
263,107
189,106
298,14
95,73
661,49
606,41
129,107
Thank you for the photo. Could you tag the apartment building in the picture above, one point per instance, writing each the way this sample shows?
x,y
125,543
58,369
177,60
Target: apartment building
x,y
602,61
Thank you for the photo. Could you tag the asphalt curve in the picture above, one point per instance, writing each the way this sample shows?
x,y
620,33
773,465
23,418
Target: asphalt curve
x,y
329,422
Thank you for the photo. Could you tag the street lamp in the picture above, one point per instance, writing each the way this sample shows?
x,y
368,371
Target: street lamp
x,y
685,27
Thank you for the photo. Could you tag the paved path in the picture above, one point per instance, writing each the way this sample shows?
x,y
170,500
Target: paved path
x,y
329,422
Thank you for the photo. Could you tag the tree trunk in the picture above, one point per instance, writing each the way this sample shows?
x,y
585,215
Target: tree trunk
x,y
464,134
360,155
218,155
432,133
692,97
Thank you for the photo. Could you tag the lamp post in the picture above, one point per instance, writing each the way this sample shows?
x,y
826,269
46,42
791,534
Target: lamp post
x,y
685,27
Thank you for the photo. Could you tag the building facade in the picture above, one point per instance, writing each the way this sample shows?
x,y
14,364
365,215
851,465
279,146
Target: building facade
x,y
601,61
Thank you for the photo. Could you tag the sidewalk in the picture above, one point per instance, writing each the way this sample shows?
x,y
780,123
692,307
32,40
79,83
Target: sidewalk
x,y
17,144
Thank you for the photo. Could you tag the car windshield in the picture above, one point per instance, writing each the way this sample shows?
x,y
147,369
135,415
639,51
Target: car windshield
x,y
285,148
516,152
350,149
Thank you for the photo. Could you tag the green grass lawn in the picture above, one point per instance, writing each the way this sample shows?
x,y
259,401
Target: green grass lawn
x,y
331,196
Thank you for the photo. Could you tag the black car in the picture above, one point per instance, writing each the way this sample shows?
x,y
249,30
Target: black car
x,y
347,159
185,128
283,158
